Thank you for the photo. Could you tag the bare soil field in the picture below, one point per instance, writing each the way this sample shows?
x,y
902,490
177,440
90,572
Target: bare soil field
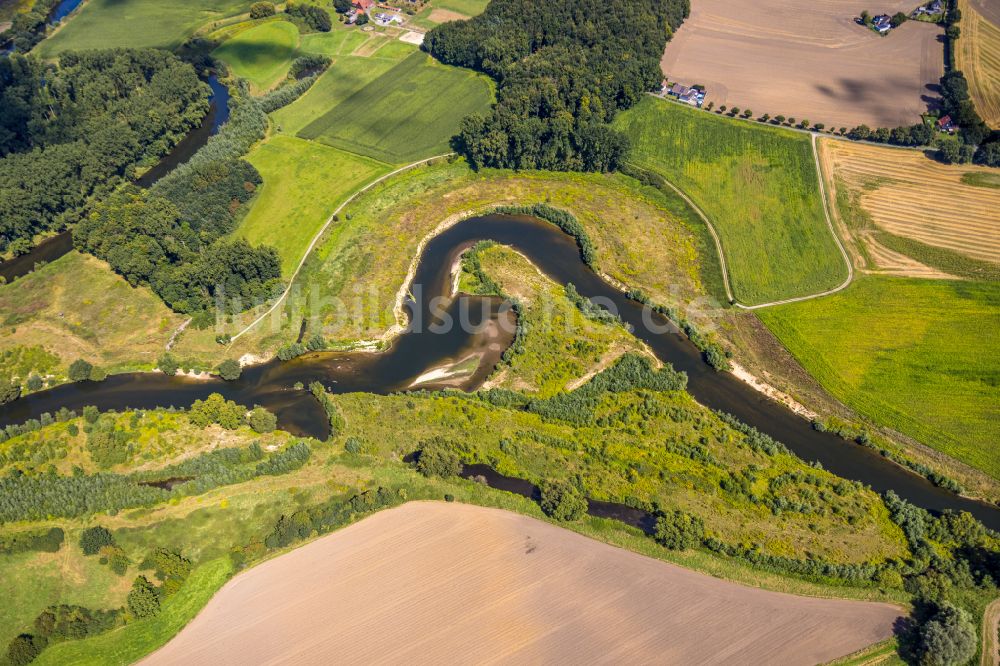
x,y
910,195
445,15
432,582
989,9
978,55
808,59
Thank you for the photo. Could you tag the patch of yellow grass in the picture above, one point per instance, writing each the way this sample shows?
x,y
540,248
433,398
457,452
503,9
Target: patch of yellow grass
x,y
907,194
978,56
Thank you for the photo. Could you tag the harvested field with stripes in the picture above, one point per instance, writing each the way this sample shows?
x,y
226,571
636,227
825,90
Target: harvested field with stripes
x,y
978,55
428,582
888,194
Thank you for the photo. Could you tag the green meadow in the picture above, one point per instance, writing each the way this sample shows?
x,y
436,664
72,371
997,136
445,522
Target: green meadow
x,y
262,54
758,186
409,112
304,182
137,23
346,76
918,356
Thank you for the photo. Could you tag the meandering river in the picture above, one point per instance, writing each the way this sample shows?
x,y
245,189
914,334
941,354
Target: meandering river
x,y
417,350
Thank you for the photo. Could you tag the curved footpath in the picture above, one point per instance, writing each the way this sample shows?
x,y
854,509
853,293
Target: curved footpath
x,y
991,642
711,228
836,239
322,230
430,582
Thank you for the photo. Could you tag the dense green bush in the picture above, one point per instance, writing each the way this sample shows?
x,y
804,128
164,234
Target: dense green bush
x,y
289,351
333,416
67,623
168,364
712,351
562,500
948,639
93,539
316,18
261,420
9,391
323,518
79,370
678,530
286,94
170,568
40,540
259,10
310,62
628,373
23,649
108,443
438,457
565,221
143,600
218,410
230,370
353,445
589,309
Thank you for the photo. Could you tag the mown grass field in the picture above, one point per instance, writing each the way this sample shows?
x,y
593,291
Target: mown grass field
x,y
104,24
304,182
438,11
346,76
904,194
467,7
340,40
76,307
758,185
411,111
262,54
914,355
978,56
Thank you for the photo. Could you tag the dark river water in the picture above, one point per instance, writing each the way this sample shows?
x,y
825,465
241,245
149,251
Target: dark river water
x,y
218,113
62,10
420,349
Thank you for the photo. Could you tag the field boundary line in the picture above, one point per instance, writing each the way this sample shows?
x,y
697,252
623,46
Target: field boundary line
x,y
711,230
836,239
322,230
991,622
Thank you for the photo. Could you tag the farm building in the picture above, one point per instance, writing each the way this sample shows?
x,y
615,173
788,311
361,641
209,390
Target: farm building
x,y
364,5
692,96
882,23
946,124
930,9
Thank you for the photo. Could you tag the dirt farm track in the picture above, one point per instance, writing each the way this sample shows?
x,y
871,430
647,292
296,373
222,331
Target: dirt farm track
x,y
808,59
430,582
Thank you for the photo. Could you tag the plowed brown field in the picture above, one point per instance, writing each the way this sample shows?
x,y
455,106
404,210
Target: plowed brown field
x,y
907,194
808,59
432,582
